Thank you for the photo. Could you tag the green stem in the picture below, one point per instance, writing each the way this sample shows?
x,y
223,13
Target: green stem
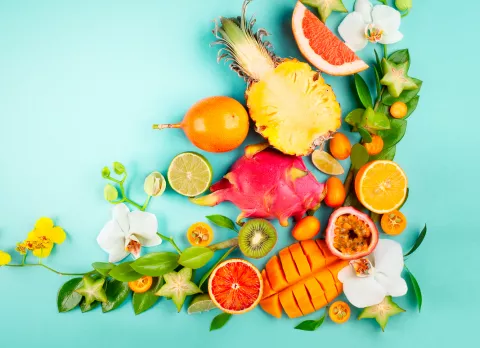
x,y
379,100
133,203
225,244
405,14
24,258
385,52
171,241
49,268
146,203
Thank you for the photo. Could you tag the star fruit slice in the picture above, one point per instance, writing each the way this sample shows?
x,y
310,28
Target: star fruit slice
x,y
382,311
178,286
92,290
396,78
326,7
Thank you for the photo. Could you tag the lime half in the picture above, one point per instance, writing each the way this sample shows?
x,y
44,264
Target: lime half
x,y
326,163
201,303
190,174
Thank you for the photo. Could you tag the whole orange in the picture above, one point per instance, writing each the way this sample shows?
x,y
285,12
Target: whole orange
x,y
214,124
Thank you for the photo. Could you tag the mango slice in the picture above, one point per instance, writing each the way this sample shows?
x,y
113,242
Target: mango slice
x,y
314,255
275,274
267,288
303,300
316,293
289,268
272,306
327,254
300,260
327,283
289,304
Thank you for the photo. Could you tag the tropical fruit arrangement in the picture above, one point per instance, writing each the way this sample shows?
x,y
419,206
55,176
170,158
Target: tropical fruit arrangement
x,y
354,257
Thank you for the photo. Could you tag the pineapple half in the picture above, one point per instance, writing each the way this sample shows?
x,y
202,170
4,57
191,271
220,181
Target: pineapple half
x,y
291,105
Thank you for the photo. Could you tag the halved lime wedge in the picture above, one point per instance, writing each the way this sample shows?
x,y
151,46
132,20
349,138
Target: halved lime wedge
x,y
201,303
190,174
326,163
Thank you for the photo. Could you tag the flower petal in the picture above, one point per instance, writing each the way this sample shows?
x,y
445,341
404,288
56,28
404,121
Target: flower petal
x,y
346,274
388,258
120,214
363,292
352,30
44,223
364,7
117,255
5,258
57,235
386,18
44,252
394,286
151,241
142,224
391,37
111,238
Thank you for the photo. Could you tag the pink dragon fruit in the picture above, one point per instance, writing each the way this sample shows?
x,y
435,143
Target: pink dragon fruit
x,y
267,184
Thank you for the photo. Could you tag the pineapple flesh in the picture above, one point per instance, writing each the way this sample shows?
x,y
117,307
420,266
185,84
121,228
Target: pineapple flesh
x,y
291,105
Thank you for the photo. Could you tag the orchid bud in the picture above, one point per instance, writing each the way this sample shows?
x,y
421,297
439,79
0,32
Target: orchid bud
x,y
155,184
403,5
105,172
110,193
118,168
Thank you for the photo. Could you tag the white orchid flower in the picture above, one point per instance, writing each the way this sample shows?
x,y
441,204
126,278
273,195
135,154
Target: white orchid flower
x,y
128,232
368,23
367,281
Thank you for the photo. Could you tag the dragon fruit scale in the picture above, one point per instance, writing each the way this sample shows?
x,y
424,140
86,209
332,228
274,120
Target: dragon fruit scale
x,y
267,184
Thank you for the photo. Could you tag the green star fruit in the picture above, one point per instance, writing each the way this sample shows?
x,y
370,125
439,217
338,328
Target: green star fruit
x,y
396,78
178,286
92,290
326,7
382,311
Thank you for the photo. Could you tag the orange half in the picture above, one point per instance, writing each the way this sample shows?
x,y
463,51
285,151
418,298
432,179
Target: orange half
x,y
381,186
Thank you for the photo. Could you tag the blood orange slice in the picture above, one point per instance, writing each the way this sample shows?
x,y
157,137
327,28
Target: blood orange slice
x,y
321,47
235,286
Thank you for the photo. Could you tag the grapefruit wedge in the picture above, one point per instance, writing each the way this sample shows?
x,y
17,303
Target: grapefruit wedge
x,y
321,47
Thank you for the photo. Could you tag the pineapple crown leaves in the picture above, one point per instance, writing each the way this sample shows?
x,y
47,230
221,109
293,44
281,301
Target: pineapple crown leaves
x,y
244,47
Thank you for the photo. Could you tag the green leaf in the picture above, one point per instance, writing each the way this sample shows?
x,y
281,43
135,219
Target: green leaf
x,y
195,257
105,172
411,106
144,301
393,135
383,109
207,274
378,61
374,120
311,325
418,242
377,81
67,298
386,154
359,156
222,221
366,137
404,97
124,272
355,117
219,321
103,267
400,57
406,198
363,91
118,168
416,289
352,201
117,293
85,307
156,264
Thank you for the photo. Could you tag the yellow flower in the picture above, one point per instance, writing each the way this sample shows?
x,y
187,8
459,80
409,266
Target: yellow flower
x,y
5,258
43,237
21,248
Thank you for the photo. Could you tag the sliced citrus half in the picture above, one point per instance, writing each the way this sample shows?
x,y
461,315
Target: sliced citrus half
x,y
190,174
381,186
325,162
201,303
235,286
321,47
141,285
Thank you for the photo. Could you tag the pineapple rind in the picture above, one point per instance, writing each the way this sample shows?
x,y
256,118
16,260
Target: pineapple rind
x,y
293,108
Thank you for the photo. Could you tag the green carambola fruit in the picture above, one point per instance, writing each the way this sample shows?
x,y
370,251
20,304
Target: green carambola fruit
x,y
92,290
373,120
403,5
382,311
396,78
178,286
326,7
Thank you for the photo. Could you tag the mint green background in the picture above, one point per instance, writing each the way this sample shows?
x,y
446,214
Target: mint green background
x,y
81,82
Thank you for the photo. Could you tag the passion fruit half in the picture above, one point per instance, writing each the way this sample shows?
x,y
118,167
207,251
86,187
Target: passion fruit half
x,y
351,234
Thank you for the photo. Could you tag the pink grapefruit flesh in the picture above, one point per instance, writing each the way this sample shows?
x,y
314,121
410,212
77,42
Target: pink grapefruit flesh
x,y
321,47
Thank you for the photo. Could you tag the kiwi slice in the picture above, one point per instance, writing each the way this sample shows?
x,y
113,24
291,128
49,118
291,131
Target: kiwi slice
x,y
257,238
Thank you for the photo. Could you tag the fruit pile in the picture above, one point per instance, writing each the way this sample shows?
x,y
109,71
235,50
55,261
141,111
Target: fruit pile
x,y
297,114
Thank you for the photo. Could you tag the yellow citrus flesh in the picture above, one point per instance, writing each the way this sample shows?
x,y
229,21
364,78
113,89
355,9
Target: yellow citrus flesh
x,y
381,186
